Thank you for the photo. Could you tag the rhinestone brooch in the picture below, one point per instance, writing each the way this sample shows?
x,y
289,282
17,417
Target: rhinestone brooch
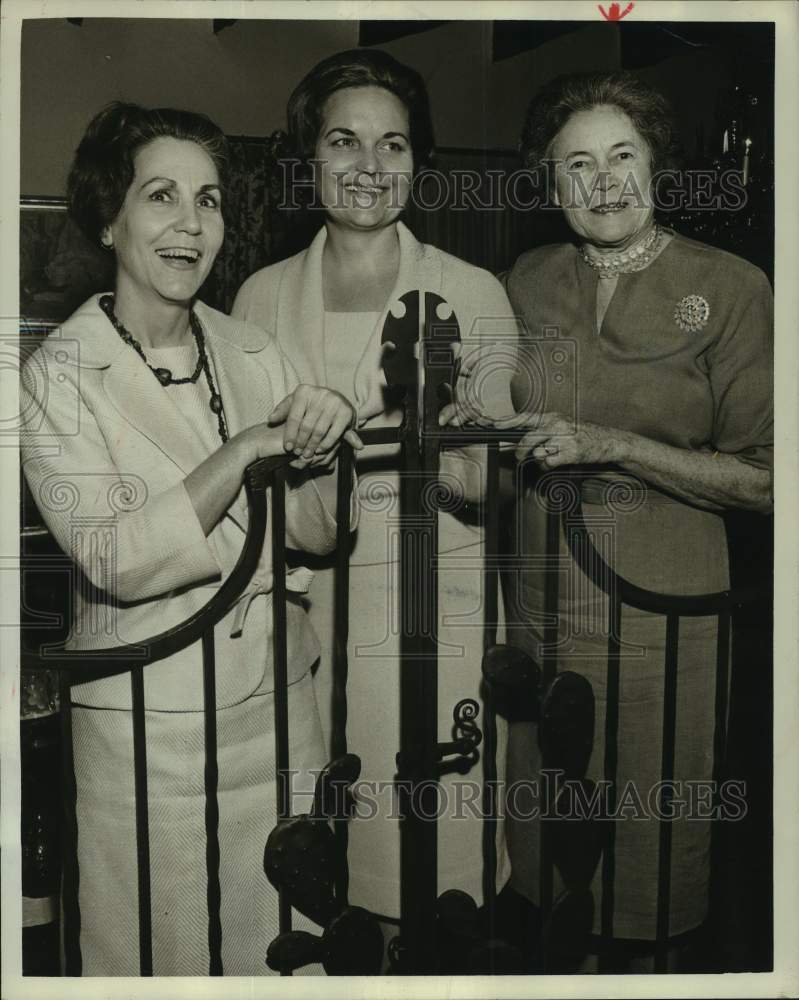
x,y
691,313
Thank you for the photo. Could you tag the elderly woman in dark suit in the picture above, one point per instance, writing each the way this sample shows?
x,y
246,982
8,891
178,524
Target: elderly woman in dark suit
x,y
670,397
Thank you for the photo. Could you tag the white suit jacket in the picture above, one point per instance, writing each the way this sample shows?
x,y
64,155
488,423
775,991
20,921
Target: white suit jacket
x,y
105,452
287,300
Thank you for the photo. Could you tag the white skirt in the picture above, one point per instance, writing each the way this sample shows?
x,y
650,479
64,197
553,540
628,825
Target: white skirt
x,y
103,750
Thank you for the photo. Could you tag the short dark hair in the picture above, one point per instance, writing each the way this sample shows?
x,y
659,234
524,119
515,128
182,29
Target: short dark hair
x,y
103,167
557,101
359,68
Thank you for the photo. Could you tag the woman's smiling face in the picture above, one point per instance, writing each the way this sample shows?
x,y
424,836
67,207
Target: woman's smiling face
x,y
364,176
603,176
170,226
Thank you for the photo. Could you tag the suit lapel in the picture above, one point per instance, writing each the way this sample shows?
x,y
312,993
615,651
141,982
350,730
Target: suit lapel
x,y
420,269
147,407
246,396
301,313
240,378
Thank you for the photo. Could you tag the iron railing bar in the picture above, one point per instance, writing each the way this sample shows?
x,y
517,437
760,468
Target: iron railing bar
x,y
341,604
280,647
73,962
461,437
667,776
549,669
340,658
148,651
143,869
491,604
610,775
599,572
383,435
723,686
418,715
423,685
721,705
211,775
549,656
491,546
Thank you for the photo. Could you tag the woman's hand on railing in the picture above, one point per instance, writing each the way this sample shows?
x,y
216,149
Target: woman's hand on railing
x,y
703,478
463,410
312,422
260,441
553,440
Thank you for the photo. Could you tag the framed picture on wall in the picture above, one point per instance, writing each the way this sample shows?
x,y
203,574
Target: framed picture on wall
x,y
59,268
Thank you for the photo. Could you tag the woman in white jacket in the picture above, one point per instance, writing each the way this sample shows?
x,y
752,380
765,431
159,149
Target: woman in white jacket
x,y
361,120
142,412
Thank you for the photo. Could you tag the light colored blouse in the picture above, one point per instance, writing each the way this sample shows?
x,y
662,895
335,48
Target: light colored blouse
x,y
347,338
192,399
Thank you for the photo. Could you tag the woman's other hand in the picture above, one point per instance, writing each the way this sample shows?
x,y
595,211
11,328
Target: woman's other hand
x,y
314,421
463,410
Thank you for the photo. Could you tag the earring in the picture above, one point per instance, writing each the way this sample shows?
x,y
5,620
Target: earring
x,y
103,244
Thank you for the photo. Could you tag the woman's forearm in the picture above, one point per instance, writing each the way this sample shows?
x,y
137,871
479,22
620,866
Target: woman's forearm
x,y
213,485
704,478
707,479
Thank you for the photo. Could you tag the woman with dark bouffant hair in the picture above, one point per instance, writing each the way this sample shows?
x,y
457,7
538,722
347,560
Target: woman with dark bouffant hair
x,y
151,408
360,121
667,402
360,68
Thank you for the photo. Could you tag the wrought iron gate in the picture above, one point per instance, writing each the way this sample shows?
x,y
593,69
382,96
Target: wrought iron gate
x,y
560,698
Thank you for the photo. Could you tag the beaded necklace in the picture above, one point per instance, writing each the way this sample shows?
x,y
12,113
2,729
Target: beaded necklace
x,y
635,258
164,375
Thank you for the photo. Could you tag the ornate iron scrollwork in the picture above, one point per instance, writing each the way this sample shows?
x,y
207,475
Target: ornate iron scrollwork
x,y
302,860
463,750
459,754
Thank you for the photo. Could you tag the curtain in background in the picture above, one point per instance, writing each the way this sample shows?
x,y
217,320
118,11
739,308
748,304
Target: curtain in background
x,y
257,230
481,206
458,207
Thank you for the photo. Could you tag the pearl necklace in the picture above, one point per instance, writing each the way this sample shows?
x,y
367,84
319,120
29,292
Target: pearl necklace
x,y
635,258
164,375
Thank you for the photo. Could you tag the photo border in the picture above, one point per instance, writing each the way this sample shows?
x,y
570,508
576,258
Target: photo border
x,y
785,979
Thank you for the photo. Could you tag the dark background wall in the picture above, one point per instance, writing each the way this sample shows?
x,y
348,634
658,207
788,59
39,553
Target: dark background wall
x,y
480,74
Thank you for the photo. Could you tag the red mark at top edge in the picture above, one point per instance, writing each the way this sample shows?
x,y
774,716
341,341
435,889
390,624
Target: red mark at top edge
x,y
615,13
